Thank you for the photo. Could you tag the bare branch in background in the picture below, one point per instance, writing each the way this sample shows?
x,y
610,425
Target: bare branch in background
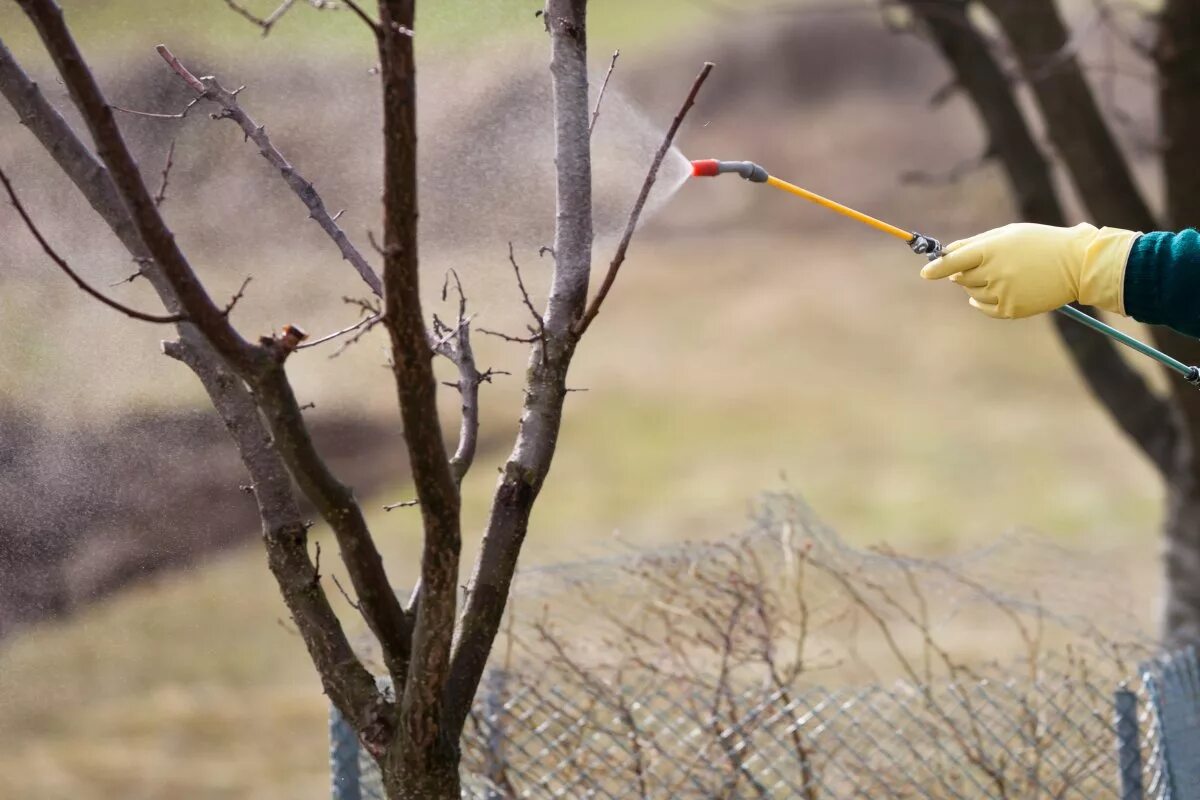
x,y
65,267
731,8
214,92
619,258
600,95
267,22
951,175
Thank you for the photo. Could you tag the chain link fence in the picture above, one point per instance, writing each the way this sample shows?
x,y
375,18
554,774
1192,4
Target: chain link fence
x,y
785,663
1067,734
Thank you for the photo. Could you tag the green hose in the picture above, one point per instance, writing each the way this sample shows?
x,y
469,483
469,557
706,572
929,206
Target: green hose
x,y
1190,374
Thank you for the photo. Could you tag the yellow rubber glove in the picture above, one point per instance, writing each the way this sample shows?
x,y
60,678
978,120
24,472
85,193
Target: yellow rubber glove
x,y
1025,269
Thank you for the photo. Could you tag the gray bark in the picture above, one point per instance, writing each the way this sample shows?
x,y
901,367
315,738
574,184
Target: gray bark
x,y
546,387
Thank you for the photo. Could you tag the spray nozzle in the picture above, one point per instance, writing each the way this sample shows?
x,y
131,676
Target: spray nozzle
x,y
711,167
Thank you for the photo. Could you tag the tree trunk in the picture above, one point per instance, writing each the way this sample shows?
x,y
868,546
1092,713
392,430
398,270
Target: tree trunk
x,y
1181,557
1178,61
433,781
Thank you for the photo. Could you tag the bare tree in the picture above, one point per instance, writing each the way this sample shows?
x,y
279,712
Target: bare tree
x,y
1046,53
433,651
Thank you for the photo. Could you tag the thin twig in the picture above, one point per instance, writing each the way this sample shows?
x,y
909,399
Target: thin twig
x,y
521,285
402,504
507,338
130,279
540,330
316,575
345,594
65,267
365,322
600,95
266,23
156,115
212,91
161,194
233,301
364,16
619,258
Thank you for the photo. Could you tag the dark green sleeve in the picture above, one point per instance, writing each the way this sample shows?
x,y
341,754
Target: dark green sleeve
x,y
1162,280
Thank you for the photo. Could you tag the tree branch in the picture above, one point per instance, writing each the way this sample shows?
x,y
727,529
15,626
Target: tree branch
x,y
347,682
416,389
334,500
545,387
456,347
65,267
212,91
631,226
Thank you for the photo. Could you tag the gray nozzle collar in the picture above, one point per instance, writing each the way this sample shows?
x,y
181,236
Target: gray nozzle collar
x,y
747,169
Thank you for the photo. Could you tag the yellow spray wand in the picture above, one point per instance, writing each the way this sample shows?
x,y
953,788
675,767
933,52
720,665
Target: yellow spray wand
x,y
930,247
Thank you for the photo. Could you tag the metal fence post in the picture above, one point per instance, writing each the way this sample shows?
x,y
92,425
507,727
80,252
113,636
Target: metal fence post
x,y
1181,723
345,780
1129,749
494,700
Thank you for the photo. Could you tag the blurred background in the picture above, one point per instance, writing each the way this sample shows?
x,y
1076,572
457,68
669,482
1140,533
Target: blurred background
x,y
752,343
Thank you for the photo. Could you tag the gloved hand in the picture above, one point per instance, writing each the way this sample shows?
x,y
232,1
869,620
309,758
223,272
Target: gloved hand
x,y
1025,269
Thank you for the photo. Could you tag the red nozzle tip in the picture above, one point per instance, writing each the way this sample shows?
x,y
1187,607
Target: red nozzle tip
x,y
705,168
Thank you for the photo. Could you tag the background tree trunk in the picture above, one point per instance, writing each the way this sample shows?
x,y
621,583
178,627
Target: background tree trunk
x,y
1167,429
1177,56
